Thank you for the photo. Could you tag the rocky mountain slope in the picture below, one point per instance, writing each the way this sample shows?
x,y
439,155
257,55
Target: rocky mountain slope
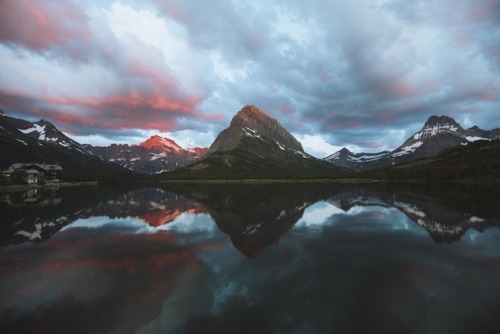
x,y
256,146
42,142
355,161
438,134
477,162
155,155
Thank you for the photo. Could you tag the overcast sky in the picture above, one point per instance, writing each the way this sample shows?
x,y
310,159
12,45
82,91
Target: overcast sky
x,y
363,74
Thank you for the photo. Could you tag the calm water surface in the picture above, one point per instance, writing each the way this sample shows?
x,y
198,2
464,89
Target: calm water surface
x,y
250,259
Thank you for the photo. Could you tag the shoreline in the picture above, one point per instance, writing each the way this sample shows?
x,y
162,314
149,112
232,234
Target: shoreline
x,y
349,181
24,187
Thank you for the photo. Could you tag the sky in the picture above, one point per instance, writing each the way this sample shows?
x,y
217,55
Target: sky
x,y
361,74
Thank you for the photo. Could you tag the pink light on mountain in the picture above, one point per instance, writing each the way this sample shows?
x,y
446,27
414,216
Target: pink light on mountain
x,y
198,151
161,145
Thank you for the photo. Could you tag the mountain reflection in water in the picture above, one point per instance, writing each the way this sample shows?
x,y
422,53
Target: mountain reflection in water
x,y
324,258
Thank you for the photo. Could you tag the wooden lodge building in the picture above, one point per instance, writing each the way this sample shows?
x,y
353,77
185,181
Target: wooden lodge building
x,y
32,173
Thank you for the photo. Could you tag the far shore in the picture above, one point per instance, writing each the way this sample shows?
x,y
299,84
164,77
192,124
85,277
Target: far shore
x,y
24,187
349,181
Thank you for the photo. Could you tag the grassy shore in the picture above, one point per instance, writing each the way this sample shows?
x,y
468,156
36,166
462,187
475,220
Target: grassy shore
x,y
24,187
271,181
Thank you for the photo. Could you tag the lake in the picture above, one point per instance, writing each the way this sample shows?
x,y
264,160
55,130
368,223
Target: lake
x,y
250,259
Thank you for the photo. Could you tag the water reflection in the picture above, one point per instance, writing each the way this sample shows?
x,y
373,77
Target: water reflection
x,y
255,217
446,218
24,221
252,259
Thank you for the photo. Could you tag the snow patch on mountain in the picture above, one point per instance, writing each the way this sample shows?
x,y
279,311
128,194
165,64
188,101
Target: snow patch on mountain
x,y
429,131
302,154
367,157
37,128
475,219
408,149
473,138
335,156
251,133
410,209
156,156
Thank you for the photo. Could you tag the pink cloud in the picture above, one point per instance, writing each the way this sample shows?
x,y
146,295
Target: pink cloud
x,y
134,110
211,117
492,95
400,89
286,109
66,118
131,111
44,26
132,100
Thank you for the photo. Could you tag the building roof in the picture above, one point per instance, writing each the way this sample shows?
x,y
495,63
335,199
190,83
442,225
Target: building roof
x,y
46,167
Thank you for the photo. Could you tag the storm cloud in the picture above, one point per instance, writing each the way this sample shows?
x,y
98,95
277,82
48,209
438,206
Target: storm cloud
x,y
364,75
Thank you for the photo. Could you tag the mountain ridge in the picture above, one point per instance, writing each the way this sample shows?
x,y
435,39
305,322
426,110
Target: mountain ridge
x,y
254,145
438,134
42,142
154,155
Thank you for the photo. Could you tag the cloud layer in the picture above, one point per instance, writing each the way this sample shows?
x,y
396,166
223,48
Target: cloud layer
x,y
364,75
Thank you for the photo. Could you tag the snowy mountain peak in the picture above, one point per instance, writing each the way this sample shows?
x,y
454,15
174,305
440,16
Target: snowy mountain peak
x,y
161,144
41,141
355,161
438,134
155,155
340,154
438,124
44,122
45,131
475,133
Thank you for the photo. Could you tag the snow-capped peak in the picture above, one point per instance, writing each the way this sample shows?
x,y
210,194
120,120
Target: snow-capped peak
x,y
436,125
41,128
36,127
161,144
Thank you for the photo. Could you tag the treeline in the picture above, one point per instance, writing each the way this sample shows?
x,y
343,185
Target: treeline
x,y
476,162
111,177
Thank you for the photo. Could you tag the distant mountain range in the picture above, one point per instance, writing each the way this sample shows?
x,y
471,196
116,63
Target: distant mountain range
x,y
438,134
42,142
254,146
155,155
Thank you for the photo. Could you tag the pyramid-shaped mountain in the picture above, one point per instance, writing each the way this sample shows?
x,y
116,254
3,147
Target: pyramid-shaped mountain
x,y
256,146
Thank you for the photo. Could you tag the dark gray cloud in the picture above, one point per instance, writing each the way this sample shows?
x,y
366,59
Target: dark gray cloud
x,y
364,74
